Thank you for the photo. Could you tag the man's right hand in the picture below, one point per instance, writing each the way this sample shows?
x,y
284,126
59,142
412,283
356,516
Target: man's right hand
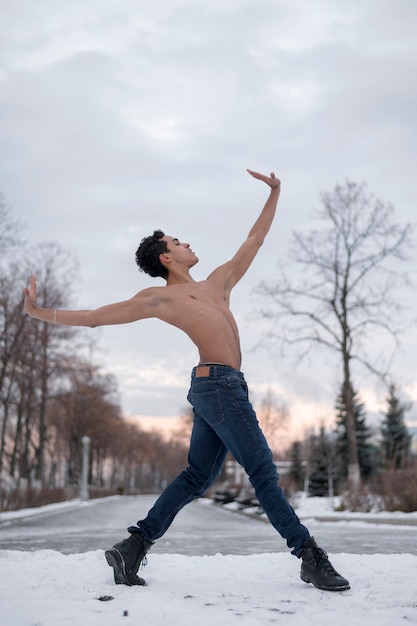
x,y
271,180
30,296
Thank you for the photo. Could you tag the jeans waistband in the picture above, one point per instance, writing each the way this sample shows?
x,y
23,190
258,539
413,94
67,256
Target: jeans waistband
x,y
214,370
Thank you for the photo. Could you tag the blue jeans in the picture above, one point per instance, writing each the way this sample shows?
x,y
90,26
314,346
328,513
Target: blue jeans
x,y
224,420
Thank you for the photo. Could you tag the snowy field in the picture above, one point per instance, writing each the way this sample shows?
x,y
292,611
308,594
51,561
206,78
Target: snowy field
x,y
47,588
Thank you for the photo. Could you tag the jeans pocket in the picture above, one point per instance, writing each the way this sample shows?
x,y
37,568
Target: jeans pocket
x,y
237,394
208,405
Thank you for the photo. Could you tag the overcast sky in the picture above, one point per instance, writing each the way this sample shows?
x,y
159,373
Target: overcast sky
x,y
121,116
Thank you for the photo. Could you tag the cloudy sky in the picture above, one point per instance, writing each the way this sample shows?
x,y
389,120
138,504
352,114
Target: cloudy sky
x,y
121,116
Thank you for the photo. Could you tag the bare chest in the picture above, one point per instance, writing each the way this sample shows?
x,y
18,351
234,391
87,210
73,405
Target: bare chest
x,y
197,299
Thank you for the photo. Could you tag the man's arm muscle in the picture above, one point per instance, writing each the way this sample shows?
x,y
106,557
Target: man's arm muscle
x,y
231,272
143,305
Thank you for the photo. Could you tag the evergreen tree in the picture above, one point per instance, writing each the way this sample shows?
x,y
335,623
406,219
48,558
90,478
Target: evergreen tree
x,y
297,471
320,465
396,440
363,434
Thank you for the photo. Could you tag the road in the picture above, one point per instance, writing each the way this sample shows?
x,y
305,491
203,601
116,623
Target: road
x,y
201,528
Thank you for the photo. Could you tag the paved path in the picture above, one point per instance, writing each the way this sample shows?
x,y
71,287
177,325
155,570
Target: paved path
x,y
201,528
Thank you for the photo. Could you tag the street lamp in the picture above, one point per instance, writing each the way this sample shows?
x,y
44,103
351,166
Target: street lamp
x,y
84,476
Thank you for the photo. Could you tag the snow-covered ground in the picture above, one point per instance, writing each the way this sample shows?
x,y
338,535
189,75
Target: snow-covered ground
x,y
47,588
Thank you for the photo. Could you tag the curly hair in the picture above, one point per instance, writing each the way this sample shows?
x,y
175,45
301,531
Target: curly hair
x,y
147,255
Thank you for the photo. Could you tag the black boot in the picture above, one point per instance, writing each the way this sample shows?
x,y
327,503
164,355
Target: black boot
x,y
125,558
317,569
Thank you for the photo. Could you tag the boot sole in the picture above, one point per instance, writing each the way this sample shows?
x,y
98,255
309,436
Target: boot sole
x,y
324,587
116,561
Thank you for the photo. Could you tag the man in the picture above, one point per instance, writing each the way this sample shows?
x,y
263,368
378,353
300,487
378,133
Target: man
x,y
223,416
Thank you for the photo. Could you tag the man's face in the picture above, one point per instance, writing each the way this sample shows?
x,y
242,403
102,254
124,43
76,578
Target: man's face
x,y
180,252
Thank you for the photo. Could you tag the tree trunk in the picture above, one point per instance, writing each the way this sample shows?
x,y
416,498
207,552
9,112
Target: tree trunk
x,y
3,435
352,444
17,440
44,378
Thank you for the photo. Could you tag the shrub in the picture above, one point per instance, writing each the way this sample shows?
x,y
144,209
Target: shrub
x,y
391,490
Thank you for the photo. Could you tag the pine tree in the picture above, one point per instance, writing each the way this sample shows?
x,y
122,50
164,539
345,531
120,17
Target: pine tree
x,y
396,440
320,465
365,450
297,471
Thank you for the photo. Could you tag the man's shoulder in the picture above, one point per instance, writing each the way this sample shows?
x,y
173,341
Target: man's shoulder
x,y
149,292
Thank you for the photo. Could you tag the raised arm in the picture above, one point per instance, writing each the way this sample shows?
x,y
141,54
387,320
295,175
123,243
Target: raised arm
x,y
143,305
232,271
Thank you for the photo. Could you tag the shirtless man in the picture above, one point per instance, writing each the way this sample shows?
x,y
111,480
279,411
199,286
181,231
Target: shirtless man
x,y
223,416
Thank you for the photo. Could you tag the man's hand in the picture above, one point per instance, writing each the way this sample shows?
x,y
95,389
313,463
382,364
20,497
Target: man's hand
x,y
269,180
30,296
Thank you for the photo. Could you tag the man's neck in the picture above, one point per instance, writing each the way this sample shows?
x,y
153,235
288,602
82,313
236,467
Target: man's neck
x,y
179,277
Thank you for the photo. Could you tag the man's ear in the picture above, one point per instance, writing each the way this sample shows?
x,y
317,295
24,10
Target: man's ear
x,y
165,259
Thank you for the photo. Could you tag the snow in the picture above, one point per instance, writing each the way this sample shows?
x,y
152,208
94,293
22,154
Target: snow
x,y
47,588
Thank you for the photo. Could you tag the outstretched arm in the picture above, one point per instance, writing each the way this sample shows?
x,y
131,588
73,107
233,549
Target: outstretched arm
x,y
262,225
143,305
232,271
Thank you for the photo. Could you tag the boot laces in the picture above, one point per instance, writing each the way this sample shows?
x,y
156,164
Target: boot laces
x,y
323,562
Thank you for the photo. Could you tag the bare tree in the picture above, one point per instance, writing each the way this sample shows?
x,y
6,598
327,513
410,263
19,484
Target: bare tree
x,y
343,293
56,270
11,323
32,359
13,336
182,432
273,417
10,229
86,406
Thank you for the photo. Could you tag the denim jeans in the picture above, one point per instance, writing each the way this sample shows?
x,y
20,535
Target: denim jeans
x,y
224,420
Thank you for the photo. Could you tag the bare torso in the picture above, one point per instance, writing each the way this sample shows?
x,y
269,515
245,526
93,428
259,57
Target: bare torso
x,y
201,310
